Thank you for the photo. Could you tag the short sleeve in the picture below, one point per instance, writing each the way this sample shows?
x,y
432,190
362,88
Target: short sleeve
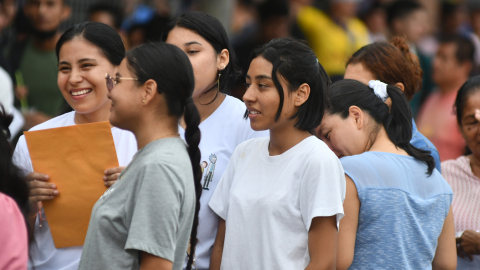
x,y
322,189
155,211
13,236
219,200
21,157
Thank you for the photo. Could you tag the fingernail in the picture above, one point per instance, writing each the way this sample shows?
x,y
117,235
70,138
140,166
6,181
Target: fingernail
x,y
104,178
55,192
53,186
106,184
47,177
105,172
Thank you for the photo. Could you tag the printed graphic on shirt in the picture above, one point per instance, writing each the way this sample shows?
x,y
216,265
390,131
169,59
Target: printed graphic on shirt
x,y
210,170
108,191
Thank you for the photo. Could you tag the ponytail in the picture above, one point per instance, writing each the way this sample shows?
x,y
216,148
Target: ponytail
x,y
398,125
396,119
192,137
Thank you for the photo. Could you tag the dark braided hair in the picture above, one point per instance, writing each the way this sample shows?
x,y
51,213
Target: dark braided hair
x,y
170,67
397,119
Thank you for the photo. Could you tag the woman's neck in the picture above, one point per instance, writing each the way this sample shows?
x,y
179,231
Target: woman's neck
x,y
100,115
383,143
284,138
475,164
204,107
149,129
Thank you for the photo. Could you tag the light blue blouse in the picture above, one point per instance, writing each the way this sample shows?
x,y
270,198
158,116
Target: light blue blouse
x,y
421,142
402,210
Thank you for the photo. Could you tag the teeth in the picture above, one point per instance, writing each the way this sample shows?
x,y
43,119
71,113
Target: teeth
x,y
77,93
254,112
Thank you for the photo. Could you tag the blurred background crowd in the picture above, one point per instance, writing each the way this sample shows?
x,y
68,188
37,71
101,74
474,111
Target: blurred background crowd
x,y
445,35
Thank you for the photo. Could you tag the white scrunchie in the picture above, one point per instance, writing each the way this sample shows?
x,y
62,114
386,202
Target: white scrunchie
x,y
379,88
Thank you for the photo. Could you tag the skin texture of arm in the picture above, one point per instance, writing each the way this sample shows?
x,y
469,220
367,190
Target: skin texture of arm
x,y
446,254
152,262
322,243
217,250
348,224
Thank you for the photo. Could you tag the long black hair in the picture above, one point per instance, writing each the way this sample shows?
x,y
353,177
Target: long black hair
x,y
297,64
470,87
101,35
170,67
211,29
11,182
397,119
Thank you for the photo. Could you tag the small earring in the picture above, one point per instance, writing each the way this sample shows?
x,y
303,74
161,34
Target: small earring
x,y
144,101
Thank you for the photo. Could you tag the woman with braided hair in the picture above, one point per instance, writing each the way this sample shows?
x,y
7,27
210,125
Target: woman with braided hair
x,y
145,220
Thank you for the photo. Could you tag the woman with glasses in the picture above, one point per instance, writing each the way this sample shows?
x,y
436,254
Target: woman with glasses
x,y
85,52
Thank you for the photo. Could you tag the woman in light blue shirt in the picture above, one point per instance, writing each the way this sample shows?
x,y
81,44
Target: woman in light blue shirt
x,y
392,63
397,205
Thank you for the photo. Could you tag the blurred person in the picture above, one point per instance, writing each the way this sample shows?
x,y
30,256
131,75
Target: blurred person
x,y
452,66
375,18
394,64
280,198
452,17
35,62
408,18
154,205
203,38
110,15
474,19
334,35
272,22
14,204
463,175
85,52
144,25
397,205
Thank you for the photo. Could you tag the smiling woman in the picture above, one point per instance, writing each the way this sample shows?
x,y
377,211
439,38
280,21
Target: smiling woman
x,y
85,53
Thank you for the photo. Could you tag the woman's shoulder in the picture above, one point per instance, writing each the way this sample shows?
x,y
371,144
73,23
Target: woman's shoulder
x,y
64,120
453,168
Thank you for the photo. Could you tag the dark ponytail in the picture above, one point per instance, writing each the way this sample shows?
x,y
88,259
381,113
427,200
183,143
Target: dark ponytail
x,y
396,119
171,69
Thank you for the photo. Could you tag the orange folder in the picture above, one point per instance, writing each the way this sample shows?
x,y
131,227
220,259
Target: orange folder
x,y
75,158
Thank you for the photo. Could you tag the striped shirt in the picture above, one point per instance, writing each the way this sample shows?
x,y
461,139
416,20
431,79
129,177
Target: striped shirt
x,y
466,193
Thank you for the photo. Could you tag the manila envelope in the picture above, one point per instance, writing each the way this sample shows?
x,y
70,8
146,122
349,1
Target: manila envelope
x,y
75,158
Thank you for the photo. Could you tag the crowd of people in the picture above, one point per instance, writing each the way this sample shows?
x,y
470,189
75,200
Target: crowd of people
x,y
274,134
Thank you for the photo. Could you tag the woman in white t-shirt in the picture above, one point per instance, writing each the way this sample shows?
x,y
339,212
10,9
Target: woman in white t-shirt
x,y
86,52
203,38
280,198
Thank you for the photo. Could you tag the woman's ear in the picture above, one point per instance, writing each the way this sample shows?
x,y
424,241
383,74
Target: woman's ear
x,y
356,115
148,91
302,94
401,86
223,59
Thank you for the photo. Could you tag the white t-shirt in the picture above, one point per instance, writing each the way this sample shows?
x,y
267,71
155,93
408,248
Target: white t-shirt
x,y
43,253
221,132
268,202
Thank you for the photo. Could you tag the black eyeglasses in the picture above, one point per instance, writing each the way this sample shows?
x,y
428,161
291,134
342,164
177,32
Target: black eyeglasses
x,y
112,81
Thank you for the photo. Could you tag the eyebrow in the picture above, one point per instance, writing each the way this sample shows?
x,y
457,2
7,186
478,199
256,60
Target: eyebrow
x,y
259,77
86,59
193,42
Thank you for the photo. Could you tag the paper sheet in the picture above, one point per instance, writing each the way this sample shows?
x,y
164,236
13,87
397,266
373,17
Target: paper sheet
x,y
75,158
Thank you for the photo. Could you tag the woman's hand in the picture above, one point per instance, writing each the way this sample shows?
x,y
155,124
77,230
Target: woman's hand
x,y
40,189
111,175
470,243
